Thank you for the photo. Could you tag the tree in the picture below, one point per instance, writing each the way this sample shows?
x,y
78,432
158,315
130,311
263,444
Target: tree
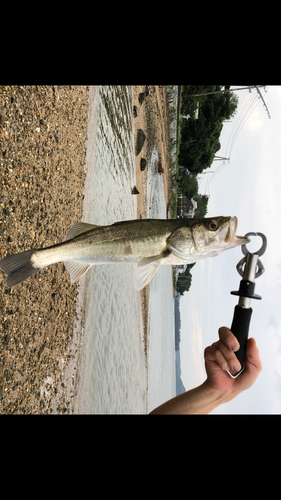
x,y
202,205
200,138
189,185
184,280
199,144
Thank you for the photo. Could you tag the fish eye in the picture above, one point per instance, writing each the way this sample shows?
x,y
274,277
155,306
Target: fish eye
x,y
213,225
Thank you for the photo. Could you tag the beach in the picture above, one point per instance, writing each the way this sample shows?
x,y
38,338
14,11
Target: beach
x,y
152,119
43,132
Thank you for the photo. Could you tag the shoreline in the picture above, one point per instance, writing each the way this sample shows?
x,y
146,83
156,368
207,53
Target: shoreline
x,y
152,119
152,129
43,132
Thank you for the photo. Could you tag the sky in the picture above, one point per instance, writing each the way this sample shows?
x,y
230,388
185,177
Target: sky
x,y
248,187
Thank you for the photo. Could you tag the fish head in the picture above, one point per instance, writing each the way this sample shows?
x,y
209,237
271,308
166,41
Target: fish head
x,y
214,235
202,238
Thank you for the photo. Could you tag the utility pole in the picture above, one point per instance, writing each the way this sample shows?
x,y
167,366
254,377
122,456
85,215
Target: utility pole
x,y
225,90
220,158
256,86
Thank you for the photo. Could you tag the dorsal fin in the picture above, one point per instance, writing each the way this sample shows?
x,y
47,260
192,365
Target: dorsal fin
x,y
79,228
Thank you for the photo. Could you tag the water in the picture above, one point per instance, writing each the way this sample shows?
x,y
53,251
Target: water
x,y
114,378
161,353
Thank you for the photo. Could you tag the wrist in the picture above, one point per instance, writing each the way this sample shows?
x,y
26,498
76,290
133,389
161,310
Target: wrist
x,y
199,401
215,397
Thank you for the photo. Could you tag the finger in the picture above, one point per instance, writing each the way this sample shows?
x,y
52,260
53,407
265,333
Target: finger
x,y
253,365
228,338
229,355
213,354
252,354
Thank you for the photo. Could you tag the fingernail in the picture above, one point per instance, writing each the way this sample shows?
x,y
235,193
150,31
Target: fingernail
x,y
235,346
236,368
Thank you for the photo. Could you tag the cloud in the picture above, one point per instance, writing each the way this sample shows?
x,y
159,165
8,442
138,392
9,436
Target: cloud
x,y
197,346
278,364
197,335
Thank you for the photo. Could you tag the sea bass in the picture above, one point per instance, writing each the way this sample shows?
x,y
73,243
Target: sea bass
x,y
148,242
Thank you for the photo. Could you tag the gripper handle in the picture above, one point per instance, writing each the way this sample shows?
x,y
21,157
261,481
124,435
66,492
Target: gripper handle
x,y
240,328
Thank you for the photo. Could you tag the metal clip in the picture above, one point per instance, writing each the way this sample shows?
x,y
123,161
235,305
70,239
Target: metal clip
x,y
260,252
237,374
252,269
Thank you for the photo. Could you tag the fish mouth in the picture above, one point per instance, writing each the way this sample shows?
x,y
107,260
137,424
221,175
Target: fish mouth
x,y
227,234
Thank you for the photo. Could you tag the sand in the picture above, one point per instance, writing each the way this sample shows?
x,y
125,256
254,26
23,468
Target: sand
x,y
42,173
152,119
42,156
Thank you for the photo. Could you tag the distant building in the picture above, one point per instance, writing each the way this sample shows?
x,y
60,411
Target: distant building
x,y
188,207
196,115
180,269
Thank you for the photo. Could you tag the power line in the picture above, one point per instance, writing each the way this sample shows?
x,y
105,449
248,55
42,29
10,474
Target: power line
x,y
263,101
225,90
246,112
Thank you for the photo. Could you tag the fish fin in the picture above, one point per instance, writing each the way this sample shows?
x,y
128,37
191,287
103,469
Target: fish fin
x,y
143,274
19,267
76,269
79,228
146,269
185,259
149,260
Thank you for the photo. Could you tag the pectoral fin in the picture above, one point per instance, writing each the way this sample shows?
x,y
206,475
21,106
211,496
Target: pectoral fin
x,y
184,258
154,258
76,269
180,254
146,269
143,275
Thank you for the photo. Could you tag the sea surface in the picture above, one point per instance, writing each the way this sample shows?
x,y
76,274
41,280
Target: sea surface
x,y
114,377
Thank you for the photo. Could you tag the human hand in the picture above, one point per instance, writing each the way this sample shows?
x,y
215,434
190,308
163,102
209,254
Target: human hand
x,y
220,357
219,387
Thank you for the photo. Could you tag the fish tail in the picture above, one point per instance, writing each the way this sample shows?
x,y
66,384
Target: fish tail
x,y
19,267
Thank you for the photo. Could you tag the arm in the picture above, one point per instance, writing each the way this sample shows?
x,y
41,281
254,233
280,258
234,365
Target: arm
x,y
219,387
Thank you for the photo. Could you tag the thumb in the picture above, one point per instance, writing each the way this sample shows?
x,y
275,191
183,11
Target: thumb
x,y
252,358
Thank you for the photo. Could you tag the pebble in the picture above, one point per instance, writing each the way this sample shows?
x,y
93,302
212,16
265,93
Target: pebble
x,y
33,210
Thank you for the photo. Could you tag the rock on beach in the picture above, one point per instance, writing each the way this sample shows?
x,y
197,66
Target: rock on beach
x,y
42,171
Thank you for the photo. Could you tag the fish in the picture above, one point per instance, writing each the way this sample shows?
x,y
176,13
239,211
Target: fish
x,y
148,243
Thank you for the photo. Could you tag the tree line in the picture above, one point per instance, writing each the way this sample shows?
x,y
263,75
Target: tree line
x,y
199,142
200,137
